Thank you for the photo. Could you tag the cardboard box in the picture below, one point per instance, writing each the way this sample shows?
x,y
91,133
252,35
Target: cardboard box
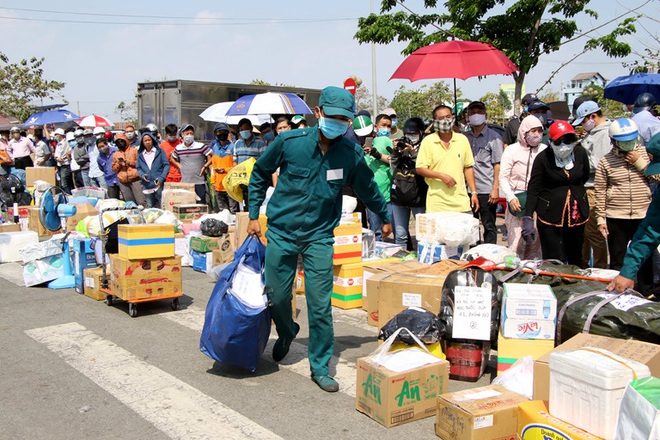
x,y
644,352
402,290
83,210
528,311
43,270
430,252
189,212
201,261
348,244
347,286
392,398
93,282
509,350
226,252
145,279
46,174
177,193
34,223
202,243
484,413
22,212
242,220
138,242
9,227
536,423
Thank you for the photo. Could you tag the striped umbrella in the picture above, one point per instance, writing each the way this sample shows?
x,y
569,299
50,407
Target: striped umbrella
x,y
269,103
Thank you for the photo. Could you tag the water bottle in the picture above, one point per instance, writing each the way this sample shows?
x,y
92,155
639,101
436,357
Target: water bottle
x,y
511,261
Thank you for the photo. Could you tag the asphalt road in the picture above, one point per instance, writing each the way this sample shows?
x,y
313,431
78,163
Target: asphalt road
x,y
74,368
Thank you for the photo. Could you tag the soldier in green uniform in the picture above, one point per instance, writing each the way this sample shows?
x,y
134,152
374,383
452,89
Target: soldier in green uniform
x,y
315,163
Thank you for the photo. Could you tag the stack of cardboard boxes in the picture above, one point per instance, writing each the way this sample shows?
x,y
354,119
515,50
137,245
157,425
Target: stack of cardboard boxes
x,y
208,252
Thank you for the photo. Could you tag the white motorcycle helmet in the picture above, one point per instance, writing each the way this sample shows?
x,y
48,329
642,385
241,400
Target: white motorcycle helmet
x,y
624,132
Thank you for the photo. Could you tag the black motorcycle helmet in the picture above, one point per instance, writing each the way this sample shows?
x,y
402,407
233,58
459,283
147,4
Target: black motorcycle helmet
x,y
413,126
644,101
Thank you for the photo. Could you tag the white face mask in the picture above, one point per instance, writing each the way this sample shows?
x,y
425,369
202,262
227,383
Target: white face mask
x,y
188,139
477,119
130,135
533,140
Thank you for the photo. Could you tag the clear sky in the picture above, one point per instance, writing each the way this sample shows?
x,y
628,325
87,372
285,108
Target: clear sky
x,y
101,50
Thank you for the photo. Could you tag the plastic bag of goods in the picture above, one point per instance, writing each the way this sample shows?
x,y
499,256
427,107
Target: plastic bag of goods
x,y
491,252
451,228
213,228
420,322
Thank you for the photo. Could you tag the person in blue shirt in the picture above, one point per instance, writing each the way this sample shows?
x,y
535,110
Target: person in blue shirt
x,y
315,163
104,160
152,167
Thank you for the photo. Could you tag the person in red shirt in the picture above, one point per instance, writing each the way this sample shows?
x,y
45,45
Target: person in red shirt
x,y
172,139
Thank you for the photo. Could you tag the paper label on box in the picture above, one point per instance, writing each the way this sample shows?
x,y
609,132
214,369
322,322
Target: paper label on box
x,y
626,302
89,282
483,421
411,299
471,313
480,395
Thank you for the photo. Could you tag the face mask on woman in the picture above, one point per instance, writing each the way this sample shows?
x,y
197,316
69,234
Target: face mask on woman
x,y
533,139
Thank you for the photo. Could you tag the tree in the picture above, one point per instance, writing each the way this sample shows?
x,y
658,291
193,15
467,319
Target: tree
x,y
524,30
127,112
611,109
260,82
496,106
364,100
551,96
22,83
421,102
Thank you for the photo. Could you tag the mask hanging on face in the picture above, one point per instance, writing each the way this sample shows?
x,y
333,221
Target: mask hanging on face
x,y
130,136
332,128
589,125
171,138
189,139
564,156
222,136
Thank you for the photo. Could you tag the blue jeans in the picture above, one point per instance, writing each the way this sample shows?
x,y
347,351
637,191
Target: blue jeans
x,y
401,219
376,225
98,182
154,199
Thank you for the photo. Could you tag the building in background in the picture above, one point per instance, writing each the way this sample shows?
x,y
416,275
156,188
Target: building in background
x,y
576,85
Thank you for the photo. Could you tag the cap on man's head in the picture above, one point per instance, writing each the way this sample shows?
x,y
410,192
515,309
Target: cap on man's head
x,y
87,131
297,119
538,105
363,126
335,101
585,109
476,104
59,131
220,126
70,136
389,111
98,130
653,148
529,98
578,102
78,133
185,127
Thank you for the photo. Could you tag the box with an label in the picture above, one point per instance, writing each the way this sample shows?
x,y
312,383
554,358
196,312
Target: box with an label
x,y
431,252
202,243
385,250
22,212
43,270
485,413
145,279
509,350
177,193
371,268
348,244
138,242
12,242
45,174
393,398
536,423
644,352
84,257
188,213
587,385
402,290
93,283
528,311
34,223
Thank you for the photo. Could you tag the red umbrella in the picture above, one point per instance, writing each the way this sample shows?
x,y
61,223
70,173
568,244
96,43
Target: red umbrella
x,y
454,59
95,121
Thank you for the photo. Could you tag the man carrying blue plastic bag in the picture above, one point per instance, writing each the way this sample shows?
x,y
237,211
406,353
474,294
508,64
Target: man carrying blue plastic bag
x,y
315,163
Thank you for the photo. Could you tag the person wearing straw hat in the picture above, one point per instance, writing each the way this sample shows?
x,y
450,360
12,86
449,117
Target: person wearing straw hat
x,y
302,213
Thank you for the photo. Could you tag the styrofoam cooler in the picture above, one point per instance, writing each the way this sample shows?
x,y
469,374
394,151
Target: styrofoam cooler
x,y
587,385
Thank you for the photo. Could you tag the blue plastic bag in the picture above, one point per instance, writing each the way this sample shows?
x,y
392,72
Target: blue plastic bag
x,y
234,332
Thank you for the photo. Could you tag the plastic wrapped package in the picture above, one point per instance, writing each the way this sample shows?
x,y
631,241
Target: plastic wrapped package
x,y
212,227
491,252
518,378
420,322
224,216
451,228
44,249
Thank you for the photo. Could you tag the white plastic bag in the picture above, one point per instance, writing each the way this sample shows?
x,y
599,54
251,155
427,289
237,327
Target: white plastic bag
x,y
403,360
492,252
519,378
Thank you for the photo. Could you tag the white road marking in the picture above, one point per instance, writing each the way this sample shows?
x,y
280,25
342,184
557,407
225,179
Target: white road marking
x,y
172,406
296,361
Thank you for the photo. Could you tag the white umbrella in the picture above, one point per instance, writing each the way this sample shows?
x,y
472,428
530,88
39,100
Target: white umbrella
x,y
95,121
269,103
218,113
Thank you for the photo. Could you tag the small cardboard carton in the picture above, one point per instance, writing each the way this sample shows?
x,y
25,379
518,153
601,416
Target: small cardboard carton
x,y
536,423
83,210
46,174
177,193
509,350
93,283
348,244
528,311
189,212
10,227
644,352
484,413
145,279
34,223
393,398
202,243
225,254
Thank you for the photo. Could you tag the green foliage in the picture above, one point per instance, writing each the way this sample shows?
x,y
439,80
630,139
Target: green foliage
x,y
611,109
421,102
260,82
364,100
514,27
648,64
496,106
22,83
127,112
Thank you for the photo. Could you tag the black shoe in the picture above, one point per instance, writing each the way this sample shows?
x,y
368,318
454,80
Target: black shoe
x,y
281,347
326,383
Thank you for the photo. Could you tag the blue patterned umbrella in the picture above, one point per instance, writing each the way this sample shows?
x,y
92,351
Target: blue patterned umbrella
x,y
51,117
269,103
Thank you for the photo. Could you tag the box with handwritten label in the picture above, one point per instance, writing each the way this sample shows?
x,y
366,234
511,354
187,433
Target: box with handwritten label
x,y
528,311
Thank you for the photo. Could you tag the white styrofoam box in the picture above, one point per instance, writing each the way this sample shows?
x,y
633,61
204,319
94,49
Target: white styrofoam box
x,y
587,385
452,228
43,270
12,242
432,252
528,329
41,250
529,311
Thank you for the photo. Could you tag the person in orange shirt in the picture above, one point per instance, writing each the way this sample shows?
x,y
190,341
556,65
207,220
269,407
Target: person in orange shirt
x,y
168,145
221,163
